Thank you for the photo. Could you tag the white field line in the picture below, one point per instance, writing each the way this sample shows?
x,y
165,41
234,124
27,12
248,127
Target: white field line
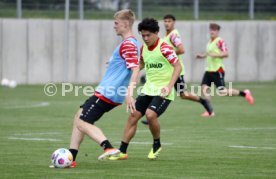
x,y
250,147
38,133
247,129
147,130
146,143
34,139
251,86
34,105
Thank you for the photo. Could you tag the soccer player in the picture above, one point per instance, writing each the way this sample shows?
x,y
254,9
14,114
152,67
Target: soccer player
x,y
173,38
122,71
162,68
216,52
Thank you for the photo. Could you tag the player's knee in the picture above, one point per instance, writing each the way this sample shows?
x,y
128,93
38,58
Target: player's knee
x,y
76,119
184,95
150,115
79,124
133,118
223,92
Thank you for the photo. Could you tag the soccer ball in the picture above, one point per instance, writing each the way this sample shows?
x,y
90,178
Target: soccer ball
x,y
5,82
12,84
62,158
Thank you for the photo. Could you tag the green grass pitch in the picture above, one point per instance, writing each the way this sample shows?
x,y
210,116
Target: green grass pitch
x,y
240,142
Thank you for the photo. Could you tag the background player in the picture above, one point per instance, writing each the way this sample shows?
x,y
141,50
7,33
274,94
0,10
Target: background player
x,y
162,68
122,71
215,72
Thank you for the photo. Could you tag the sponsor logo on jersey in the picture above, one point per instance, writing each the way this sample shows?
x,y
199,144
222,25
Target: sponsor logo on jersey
x,y
154,65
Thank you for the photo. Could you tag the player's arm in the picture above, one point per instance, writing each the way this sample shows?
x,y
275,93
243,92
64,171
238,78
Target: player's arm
x,y
201,55
180,49
220,55
176,41
171,56
141,62
130,102
129,52
176,72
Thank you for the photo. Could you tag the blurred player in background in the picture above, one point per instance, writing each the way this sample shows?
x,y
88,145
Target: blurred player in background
x,y
173,38
122,71
215,54
162,69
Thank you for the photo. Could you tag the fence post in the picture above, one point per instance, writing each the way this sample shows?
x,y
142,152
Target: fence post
x,y
251,9
140,9
19,9
81,15
66,41
196,9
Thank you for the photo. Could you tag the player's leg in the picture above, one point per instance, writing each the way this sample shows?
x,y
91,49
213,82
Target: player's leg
x,y
205,85
206,99
180,87
76,138
189,96
91,130
93,109
220,83
129,133
205,91
96,134
142,102
156,108
235,92
154,127
131,126
231,92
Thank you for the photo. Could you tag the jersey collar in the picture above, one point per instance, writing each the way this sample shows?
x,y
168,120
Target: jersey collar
x,y
151,48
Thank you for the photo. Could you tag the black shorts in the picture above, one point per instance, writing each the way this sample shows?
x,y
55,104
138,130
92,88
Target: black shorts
x,y
94,108
213,77
155,103
180,85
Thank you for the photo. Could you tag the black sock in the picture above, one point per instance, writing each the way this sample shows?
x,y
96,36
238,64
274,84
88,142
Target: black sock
x,y
242,93
106,145
156,144
74,152
123,147
207,105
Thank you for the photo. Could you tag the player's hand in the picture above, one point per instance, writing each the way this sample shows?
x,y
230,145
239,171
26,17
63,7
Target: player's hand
x,y
130,104
200,56
165,91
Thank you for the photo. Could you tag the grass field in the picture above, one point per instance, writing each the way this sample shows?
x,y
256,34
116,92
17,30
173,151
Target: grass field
x,y
240,142
156,13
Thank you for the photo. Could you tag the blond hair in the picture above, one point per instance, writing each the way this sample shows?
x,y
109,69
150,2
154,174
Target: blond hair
x,y
126,14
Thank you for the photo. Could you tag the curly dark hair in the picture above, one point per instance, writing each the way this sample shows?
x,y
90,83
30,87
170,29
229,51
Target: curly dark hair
x,y
149,24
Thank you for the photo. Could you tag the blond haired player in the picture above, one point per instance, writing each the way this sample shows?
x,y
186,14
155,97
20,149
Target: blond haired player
x,y
122,72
